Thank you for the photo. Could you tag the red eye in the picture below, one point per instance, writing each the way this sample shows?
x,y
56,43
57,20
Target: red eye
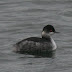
x,y
50,30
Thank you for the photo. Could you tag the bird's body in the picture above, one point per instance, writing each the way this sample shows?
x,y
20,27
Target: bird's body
x,y
36,45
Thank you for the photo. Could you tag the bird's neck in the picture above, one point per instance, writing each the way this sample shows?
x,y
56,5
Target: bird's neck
x,y
47,38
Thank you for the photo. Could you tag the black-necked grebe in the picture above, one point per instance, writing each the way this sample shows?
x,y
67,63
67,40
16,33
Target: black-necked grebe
x,y
36,45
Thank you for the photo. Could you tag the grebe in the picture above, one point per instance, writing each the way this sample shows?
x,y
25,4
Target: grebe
x,y
36,45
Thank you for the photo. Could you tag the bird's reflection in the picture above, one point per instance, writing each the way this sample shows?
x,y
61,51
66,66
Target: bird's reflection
x,y
49,54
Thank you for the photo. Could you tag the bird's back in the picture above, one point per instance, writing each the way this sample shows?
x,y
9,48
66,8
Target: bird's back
x,y
33,44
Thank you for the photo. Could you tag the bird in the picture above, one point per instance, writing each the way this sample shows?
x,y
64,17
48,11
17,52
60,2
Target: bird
x,y
38,45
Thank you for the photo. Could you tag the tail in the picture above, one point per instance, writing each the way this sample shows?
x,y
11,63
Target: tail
x,y
16,48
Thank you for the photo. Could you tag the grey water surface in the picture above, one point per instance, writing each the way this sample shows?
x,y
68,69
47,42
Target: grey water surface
x,y
20,19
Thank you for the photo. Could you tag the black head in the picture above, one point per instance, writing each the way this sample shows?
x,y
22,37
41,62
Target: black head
x,y
49,28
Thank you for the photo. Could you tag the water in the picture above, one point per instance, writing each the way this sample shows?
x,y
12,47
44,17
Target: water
x,y
20,19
